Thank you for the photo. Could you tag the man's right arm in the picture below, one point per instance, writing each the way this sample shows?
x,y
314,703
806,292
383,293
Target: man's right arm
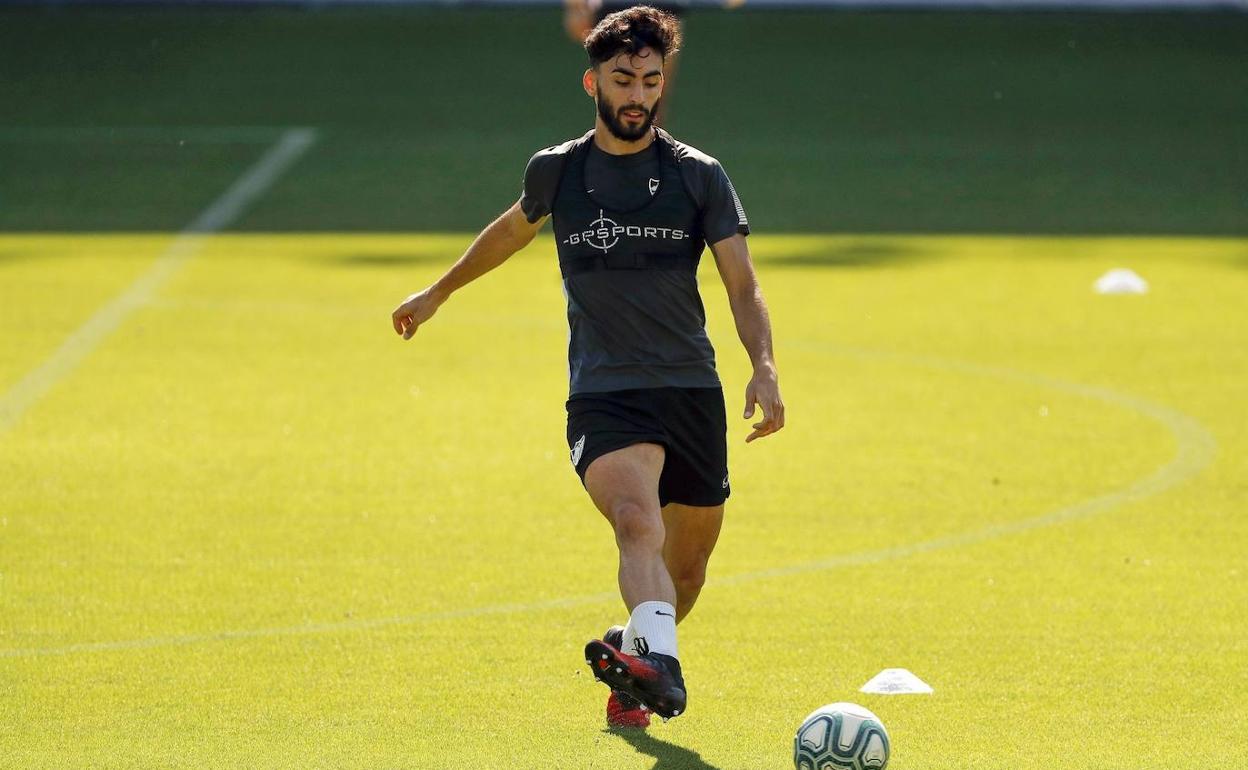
x,y
504,236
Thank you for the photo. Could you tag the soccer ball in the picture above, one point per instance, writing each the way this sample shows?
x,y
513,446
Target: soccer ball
x,y
841,736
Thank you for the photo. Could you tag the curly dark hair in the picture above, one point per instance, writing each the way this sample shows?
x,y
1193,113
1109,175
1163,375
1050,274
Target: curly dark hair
x,y
631,30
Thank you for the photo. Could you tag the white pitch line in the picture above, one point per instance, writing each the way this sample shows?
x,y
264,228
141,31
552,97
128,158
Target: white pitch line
x,y
86,338
1195,450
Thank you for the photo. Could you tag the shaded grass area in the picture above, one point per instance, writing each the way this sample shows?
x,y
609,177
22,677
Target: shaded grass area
x,y
898,122
667,756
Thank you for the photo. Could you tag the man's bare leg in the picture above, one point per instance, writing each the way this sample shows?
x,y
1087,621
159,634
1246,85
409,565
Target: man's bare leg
x,y
624,484
691,535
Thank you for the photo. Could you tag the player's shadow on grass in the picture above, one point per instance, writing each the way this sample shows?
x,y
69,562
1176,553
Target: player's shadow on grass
x,y
668,756
844,255
390,260
21,256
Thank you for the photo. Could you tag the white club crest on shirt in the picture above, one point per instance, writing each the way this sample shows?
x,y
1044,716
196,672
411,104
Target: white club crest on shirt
x,y
654,186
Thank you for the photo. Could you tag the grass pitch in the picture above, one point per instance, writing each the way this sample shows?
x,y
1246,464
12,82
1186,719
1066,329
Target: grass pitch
x,y
256,529
250,527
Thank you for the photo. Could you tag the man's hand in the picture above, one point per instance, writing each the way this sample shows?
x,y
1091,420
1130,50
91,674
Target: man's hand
x,y
506,235
415,310
764,390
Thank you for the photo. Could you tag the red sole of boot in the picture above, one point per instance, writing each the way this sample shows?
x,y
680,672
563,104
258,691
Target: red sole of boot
x,y
624,672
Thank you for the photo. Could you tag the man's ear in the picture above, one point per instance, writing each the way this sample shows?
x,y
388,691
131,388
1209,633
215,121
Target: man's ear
x,y
589,81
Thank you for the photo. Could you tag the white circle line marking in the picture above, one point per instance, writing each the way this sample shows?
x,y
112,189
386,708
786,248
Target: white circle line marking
x,y
1195,450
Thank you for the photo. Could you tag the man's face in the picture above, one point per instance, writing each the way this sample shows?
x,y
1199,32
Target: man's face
x,y
628,91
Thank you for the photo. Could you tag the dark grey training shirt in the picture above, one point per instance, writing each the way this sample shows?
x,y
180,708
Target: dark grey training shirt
x,y
621,182
630,230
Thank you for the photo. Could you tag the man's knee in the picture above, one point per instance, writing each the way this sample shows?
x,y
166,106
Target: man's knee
x,y
690,578
636,526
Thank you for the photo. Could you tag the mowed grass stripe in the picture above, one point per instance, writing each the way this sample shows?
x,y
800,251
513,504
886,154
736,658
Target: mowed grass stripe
x,y
124,134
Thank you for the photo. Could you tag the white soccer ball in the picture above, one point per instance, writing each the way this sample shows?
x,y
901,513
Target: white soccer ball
x,y
841,736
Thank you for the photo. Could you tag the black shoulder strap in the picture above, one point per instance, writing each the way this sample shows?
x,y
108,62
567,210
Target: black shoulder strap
x,y
575,146
686,169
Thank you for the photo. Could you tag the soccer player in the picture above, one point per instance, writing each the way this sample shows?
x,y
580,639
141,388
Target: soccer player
x,y
633,209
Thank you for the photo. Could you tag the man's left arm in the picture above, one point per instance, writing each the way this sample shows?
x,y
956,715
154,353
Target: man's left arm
x,y
749,310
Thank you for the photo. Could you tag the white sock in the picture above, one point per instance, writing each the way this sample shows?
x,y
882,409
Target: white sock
x,y
652,628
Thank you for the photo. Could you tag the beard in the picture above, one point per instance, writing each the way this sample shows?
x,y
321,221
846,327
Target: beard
x,y
614,119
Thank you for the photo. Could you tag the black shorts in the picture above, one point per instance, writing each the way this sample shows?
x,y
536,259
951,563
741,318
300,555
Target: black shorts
x,y
689,423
